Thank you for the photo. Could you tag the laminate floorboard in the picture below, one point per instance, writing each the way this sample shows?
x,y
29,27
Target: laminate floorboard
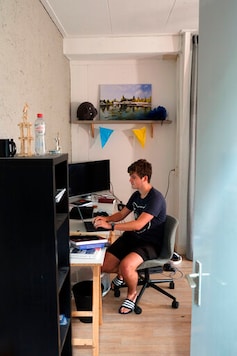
x,y
159,330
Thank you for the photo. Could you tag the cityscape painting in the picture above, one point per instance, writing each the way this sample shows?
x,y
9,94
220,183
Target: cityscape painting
x,y
125,101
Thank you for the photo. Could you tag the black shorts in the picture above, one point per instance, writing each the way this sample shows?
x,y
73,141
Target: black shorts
x,y
128,242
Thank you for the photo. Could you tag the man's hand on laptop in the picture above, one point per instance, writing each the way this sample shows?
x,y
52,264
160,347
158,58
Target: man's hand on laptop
x,y
100,221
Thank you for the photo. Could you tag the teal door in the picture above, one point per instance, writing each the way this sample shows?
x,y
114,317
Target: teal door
x,y
214,311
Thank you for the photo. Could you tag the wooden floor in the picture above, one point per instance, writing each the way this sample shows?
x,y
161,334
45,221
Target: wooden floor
x,y
160,330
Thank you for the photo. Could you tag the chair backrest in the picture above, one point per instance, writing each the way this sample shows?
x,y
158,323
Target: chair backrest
x,y
167,250
171,225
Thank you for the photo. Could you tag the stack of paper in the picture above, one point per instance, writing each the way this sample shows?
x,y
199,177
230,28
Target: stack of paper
x,y
59,194
90,253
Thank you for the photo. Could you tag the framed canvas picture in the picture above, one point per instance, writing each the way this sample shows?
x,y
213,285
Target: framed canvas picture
x,y
125,101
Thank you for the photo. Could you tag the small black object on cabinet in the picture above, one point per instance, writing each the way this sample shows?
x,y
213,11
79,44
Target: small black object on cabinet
x,y
34,255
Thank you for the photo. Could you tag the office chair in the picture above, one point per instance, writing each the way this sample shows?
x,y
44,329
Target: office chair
x,y
157,265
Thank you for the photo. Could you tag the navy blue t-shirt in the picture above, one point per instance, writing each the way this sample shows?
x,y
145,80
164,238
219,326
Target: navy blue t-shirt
x,y
154,203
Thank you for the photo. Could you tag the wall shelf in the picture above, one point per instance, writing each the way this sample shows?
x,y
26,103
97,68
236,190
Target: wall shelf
x,y
121,122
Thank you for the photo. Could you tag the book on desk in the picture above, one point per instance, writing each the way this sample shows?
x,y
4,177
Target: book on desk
x,y
87,246
84,242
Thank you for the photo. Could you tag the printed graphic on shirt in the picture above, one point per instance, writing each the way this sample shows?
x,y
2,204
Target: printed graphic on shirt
x,y
137,210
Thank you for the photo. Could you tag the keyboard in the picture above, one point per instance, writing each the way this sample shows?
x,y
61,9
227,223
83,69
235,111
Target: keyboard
x,y
91,228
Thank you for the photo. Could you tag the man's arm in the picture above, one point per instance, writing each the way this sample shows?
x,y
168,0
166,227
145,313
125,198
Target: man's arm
x,y
134,225
118,216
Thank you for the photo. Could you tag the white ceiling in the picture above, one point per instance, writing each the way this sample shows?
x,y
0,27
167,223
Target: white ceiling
x,y
93,18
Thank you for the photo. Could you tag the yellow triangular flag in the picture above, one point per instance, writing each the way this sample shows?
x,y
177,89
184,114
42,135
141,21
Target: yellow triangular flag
x,y
140,135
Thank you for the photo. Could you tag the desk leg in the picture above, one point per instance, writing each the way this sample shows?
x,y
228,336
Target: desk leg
x,y
96,309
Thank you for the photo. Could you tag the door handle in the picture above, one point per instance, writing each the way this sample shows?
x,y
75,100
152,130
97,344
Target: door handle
x,y
194,280
191,279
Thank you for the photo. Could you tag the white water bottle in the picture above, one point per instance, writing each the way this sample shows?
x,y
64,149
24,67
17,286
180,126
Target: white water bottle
x,y
39,135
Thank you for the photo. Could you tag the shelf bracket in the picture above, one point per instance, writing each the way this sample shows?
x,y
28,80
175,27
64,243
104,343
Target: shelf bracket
x,y
152,132
92,130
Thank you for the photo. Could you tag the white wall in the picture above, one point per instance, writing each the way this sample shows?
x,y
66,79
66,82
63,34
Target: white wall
x,y
33,70
122,147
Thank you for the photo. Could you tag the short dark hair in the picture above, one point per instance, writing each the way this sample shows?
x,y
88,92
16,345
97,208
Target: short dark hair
x,y
141,168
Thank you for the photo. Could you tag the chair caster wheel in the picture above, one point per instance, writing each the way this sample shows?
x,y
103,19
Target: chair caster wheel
x,y
117,293
137,310
172,285
175,304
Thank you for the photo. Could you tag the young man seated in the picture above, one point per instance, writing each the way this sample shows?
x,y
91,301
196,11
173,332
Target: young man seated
x,y
142,237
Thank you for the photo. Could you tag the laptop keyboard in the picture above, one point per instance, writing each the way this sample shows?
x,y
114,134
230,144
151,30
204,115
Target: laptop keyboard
x,y
90,227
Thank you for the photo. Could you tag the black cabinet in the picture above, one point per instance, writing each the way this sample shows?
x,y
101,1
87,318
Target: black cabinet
x,y
34,257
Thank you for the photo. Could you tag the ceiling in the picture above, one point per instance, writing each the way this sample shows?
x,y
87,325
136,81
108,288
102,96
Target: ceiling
x,y
100,18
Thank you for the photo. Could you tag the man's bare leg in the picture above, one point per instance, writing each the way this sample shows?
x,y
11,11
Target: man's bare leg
x,y
128,270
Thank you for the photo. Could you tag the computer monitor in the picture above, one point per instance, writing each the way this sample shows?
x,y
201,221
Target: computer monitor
x,y
89,177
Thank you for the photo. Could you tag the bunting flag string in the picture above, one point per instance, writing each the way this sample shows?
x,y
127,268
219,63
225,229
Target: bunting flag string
x,y
104,135
140,135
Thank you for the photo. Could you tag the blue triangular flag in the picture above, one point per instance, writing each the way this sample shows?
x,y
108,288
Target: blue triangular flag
x,y
104,135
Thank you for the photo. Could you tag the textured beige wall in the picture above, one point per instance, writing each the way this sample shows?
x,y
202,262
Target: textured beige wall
x,y
33,70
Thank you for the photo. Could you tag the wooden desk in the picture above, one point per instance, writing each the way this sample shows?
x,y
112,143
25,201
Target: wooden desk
x,y
96,312
77,228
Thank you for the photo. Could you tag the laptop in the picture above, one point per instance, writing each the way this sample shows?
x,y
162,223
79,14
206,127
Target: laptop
x,y
89,226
